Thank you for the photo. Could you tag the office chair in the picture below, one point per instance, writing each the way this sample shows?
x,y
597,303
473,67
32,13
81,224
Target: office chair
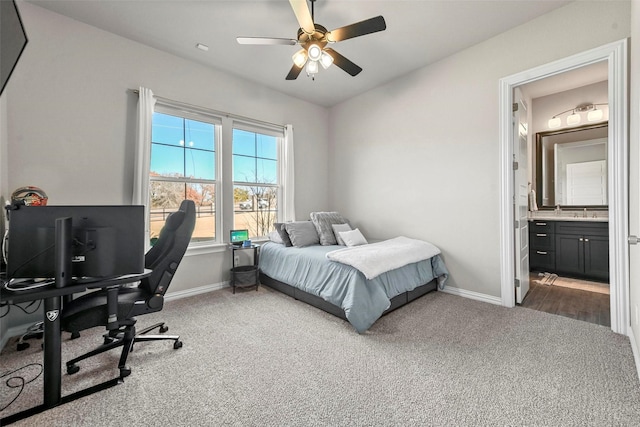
x,y
118,314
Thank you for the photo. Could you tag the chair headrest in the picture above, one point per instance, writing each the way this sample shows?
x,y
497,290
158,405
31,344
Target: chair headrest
x,y
174,220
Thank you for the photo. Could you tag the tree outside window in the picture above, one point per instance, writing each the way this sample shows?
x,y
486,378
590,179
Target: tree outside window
x,y
255,181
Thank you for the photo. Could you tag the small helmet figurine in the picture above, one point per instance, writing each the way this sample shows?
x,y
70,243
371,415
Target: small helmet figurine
x,y
30,196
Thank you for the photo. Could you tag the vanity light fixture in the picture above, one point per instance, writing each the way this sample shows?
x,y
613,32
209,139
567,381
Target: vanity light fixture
x,y
594,115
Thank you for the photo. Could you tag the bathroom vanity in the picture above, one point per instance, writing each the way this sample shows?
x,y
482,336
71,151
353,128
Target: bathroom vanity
x,y
570,246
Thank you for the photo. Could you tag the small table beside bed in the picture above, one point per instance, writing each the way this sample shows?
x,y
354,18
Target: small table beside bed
x,y
356,281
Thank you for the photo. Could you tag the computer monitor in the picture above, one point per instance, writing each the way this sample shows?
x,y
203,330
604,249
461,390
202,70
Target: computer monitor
x,y
238,236
106,241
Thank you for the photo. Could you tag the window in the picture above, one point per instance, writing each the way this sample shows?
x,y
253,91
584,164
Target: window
x,y
232,168
255,180
183,166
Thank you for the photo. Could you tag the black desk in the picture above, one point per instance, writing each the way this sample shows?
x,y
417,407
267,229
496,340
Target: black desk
x,y
52,297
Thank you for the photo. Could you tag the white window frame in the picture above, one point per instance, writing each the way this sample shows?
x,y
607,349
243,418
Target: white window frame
x,y
274,131
224,205
201,115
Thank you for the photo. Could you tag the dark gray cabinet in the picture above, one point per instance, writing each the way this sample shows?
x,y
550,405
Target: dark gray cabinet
x,y
570,248
542,252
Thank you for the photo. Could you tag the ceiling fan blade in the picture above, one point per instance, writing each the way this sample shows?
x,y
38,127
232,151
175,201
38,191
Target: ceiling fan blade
x,y
344,63
294,72
361,28
265,40
303,15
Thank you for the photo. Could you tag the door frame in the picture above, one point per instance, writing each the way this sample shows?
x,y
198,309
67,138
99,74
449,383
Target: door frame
x,y
618,172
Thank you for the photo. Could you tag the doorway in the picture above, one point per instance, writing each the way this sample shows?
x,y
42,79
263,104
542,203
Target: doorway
x,y
566,168
615,54
569,297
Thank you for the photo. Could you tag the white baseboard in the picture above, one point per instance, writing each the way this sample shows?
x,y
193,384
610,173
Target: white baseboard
x,y
195,291
472,295
634,349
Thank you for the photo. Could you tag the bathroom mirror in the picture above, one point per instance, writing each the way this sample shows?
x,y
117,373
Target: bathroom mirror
x,y
571,167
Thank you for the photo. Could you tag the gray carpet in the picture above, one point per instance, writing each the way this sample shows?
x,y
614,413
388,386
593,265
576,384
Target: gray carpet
x,y
264,359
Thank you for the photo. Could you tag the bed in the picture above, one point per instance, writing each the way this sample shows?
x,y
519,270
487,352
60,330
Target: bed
x,y
306,274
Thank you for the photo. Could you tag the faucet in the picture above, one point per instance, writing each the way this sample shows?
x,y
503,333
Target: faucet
x,y
584,215
558,210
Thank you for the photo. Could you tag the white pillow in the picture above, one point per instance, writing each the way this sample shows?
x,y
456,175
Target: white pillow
x,y
337,228
353,238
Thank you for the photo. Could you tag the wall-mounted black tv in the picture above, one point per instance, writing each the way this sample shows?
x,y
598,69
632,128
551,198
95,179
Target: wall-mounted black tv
x,y
106,241
13,40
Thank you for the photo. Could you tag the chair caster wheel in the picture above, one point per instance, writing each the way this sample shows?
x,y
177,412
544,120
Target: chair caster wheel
x,y
107,340
163,329
75,335
72,369
22,346
125,372
177,345
39,335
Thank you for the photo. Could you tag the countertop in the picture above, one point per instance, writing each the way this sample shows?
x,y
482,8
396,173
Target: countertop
x,y
569,216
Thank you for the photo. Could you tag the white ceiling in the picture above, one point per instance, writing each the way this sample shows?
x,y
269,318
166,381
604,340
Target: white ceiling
x,y
419,32
568,80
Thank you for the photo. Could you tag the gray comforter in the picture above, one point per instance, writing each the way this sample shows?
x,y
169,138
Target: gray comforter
x,y
362,300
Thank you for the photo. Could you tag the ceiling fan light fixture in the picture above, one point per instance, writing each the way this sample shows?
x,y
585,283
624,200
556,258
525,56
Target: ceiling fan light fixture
x,y
312,67
326,60
314,51
313,38
300,58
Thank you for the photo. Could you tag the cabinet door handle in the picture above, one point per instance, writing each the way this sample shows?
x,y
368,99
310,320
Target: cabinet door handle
x,y
581,239
541,223
586,240
541,253
541,235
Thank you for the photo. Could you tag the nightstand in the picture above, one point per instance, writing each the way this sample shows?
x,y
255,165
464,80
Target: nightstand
x,y
245,276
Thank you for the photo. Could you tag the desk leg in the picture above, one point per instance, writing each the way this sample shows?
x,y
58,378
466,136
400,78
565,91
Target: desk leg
x,y
52,350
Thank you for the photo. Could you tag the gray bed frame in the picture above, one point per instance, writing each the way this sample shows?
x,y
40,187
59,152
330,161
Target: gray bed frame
x,y
315,301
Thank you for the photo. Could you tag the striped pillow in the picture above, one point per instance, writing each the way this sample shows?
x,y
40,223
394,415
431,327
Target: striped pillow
x,y
323,222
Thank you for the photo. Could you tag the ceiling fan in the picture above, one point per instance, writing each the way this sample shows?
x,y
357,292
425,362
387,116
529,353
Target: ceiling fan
x,y
314,39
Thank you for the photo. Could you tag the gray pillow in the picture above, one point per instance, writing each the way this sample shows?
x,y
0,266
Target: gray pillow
x,y
302,233
323,222
274,236
283,233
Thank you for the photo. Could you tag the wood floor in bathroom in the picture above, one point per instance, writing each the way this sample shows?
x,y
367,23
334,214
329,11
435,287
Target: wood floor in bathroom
x,y
578,304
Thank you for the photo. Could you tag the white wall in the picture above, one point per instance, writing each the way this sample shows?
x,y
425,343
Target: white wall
x,y
634,176
71,120
419,156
